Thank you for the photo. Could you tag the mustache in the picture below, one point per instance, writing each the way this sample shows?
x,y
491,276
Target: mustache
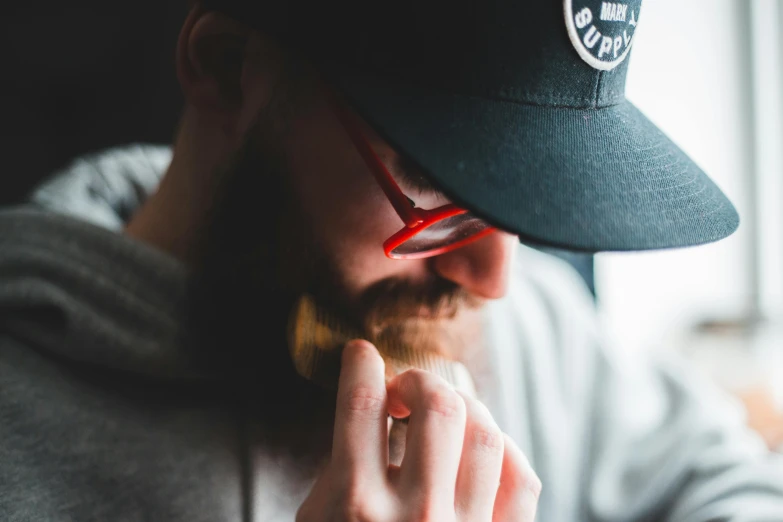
x,y
395,300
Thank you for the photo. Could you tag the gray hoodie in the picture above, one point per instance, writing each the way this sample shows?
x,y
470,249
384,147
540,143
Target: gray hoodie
x,y
104,415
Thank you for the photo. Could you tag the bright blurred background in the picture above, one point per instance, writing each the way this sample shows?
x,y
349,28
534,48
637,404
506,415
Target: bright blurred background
x,y
708,72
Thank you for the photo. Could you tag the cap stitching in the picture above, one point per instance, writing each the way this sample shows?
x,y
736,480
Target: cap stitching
x,y
596,95
544,101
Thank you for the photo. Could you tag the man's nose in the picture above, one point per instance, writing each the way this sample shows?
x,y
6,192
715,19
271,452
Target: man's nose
x,y
482,267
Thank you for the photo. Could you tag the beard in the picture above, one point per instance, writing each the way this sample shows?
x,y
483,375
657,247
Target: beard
x,y
258,256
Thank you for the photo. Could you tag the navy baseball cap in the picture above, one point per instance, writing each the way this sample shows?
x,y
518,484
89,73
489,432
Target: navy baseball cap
x,y
516,109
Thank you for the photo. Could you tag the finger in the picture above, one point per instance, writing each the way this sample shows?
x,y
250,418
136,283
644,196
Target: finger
x,y
360,444
397,435
520,487
479,469
434,435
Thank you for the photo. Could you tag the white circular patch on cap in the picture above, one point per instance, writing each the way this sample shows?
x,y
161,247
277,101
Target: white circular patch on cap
x,y
602,32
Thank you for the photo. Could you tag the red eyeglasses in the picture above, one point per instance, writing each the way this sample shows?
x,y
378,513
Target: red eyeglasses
x,y
426,233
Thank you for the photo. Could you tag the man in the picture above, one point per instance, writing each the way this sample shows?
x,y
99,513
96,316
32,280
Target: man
x,y
387,160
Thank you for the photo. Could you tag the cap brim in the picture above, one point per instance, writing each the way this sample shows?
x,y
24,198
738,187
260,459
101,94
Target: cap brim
x,y
604,179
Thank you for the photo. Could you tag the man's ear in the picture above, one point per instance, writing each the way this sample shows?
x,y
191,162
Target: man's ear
x,y
226,70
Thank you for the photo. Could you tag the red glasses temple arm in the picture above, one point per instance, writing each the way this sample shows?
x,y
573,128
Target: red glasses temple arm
x,y
401,203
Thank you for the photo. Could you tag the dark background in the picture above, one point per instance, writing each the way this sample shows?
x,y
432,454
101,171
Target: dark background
x,y
82,75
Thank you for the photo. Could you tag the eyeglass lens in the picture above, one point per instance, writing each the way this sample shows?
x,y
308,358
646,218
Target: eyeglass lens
x,y
442,234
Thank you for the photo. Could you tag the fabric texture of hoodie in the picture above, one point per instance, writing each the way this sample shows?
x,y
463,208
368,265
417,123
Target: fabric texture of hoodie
x,y
105,416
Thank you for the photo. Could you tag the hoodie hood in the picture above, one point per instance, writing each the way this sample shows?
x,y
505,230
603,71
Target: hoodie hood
x,y
72,286
105,188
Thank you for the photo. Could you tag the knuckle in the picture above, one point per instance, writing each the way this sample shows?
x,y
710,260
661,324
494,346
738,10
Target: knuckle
x,y
364,399
487,437
442,400
412,378
527,482
483,431
428,393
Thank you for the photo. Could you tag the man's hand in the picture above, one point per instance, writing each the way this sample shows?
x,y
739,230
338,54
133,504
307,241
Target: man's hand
x,y
458,465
